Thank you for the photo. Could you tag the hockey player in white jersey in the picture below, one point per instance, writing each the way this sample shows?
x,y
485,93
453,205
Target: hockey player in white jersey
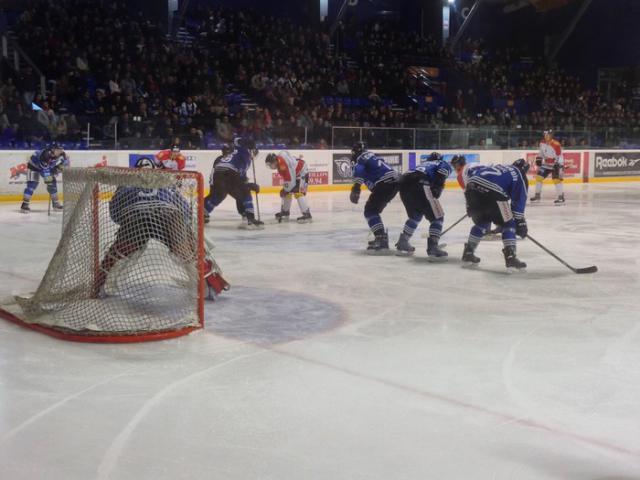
x,y
550,161
295,174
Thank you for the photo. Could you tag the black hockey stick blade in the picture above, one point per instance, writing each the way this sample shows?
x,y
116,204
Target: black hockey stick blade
x,y
592,269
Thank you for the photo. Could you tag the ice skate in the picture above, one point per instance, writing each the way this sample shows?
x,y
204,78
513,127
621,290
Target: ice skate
x,y
252,223
282,216
434,252
535,198
511,261
380,245
559,200
468,256
24,208
305,218
403,247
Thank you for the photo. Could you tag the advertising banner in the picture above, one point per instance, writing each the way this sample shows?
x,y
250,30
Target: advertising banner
x,y
572,164
317,166
342,169
315,178
616,164
191,163
15,172
14,178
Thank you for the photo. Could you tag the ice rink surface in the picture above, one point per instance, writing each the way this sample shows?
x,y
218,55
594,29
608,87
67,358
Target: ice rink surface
x,y
324,363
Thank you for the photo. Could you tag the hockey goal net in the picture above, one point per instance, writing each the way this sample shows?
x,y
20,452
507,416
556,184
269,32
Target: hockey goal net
x,y
129,264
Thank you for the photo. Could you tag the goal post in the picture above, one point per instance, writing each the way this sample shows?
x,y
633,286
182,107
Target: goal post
x,y
129,266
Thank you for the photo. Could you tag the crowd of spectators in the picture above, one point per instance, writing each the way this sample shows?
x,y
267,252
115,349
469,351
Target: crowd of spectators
x,y
113,76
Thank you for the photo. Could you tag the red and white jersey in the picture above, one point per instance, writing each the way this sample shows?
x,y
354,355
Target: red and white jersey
x,y
463,176
290,169
176,163
551,153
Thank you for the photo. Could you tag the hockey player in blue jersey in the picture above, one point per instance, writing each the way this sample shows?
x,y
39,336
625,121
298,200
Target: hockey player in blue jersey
x,y
420,190
382,181
227,151
230,178
45,164
160,214
498,194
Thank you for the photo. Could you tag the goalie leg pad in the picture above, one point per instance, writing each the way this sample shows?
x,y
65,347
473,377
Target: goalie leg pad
x,y
216,284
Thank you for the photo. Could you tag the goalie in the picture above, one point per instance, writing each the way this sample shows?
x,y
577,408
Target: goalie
x,y
161,214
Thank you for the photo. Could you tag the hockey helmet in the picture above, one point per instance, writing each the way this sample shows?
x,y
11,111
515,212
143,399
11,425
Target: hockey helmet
x,y
522,165
227,149
357,149
434,157
458,161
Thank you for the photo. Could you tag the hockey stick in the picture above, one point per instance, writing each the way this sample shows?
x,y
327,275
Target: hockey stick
x,y
592,269
450,227
454,224
255,180
49,206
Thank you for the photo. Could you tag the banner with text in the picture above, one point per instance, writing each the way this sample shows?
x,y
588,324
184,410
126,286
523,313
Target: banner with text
x,y
572,164
616,164
343,171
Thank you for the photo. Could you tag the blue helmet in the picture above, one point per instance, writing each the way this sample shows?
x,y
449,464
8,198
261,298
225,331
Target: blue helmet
x,y
434,157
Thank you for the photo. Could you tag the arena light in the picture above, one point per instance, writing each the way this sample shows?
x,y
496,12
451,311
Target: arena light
x,y
451,2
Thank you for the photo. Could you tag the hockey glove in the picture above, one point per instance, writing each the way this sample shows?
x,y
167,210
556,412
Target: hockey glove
x,y
538,161
521,228
253,187
557,168
436,191
355,193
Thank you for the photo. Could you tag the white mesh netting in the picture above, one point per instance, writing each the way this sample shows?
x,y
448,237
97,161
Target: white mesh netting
x,y
129,256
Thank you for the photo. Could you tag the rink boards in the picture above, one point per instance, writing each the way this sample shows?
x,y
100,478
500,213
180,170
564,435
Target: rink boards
x,y
330,170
